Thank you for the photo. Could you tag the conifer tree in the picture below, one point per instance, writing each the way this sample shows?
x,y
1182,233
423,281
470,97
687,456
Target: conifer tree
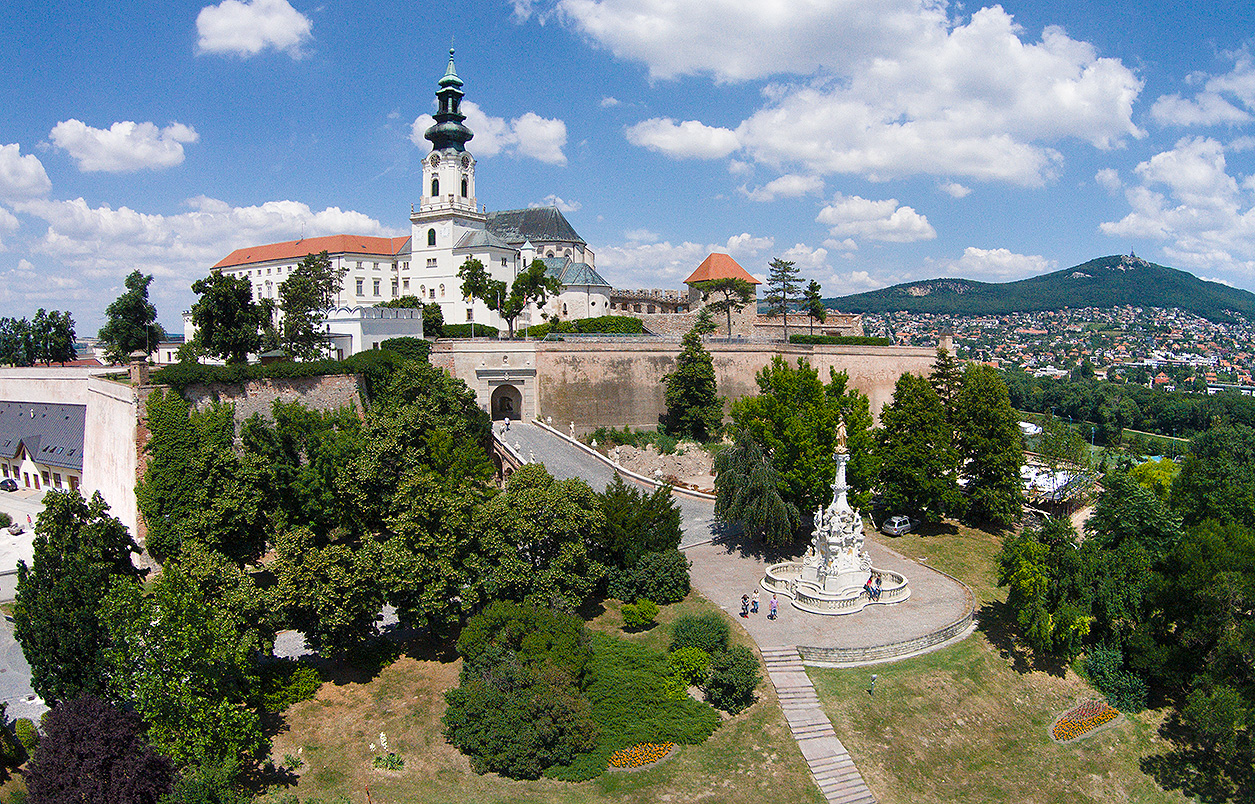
x,y
729,293
693,409
747,492
813,301
918,464
705,322
946,379
990,446
782,286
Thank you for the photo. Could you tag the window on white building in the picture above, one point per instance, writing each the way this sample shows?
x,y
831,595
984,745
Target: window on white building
x,y
422,290
504,264
405,283
469,314
376,287
376,266
359,263
431,235
359,287
431,262
433,293
464,186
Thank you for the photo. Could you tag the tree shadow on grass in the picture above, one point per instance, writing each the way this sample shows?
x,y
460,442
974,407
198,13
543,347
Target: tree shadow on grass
x,y
997,622
1199,772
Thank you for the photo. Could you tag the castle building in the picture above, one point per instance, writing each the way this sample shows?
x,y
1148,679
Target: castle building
x,y
447,227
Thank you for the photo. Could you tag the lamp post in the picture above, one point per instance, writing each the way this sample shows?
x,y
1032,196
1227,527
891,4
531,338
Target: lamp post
x,y
873,689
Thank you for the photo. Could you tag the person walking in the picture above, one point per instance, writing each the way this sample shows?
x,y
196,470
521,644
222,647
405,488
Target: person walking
x,y
771,608
876,588
754,602
745,605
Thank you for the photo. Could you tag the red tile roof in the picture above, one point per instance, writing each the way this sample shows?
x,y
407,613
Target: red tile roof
x,y
720,266
299,249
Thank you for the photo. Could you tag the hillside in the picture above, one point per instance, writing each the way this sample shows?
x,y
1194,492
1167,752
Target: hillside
x,y
1103,282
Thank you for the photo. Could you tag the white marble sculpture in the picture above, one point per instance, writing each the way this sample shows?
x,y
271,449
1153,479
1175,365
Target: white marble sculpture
x,y
836,559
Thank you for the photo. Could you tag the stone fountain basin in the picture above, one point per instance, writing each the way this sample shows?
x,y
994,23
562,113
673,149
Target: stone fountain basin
x,y
784,579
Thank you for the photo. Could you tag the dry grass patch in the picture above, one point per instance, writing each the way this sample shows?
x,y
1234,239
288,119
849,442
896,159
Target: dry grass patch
x,y
748,758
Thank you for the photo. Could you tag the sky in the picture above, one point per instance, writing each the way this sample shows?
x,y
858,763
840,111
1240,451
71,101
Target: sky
x,y
871,142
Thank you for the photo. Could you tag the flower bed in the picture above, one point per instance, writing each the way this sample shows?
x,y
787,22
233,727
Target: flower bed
x,y
1081,721
638,756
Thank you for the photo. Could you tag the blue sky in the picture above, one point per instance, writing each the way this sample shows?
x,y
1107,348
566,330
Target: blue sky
x,y
870,141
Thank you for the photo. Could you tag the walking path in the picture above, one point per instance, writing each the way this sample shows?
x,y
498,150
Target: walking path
x,y
725,567
830,763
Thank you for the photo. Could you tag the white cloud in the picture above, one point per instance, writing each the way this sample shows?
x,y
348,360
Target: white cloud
x,y
845,284
955,190
997,265
789,185
852,216
887,88
124,146
8,223
1109,180
1220,101
21,177
1187,200
101,241
609,102
528,135
689,139
552,200
640,236
809,260
247,28
640,264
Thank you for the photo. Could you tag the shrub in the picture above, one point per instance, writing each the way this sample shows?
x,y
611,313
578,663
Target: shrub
x,y
5,519
284,683
636,523
606,324
690,665
639,614
464,331
508,632
409,348
1124,690
519,723
708,632
839,340
660,576
26,734
733,678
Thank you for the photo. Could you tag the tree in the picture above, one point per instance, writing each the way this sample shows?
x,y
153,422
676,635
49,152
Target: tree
x,y
54,336
747,492
918,465
433,320
693,409
636,524
533,284
782,286
1126,511
990,448
130,321
814,304
227,319
17,345
1060,443
704,324
477,283
729,294
187,667
1040,569
406,302
80,554
535,537
304,297
947,380
1217,478
733,677
93,752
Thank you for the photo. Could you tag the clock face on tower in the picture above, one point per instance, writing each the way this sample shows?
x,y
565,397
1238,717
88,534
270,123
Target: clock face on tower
x,y
434,161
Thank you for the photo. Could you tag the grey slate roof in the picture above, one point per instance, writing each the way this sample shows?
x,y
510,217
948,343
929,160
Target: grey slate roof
x,y
52,434
573,273
535,224
480,238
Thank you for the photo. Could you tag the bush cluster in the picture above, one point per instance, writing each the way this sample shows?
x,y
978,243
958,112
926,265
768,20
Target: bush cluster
x,y
639,614
662,577
1124,690
707,632
376,367
411,348
286,682
464,331
690,665
733,678
606,324
839,340
610,437
26,734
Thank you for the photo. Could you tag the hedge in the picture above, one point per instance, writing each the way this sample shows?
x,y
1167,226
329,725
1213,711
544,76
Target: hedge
x,y
839,340
464,331
606,324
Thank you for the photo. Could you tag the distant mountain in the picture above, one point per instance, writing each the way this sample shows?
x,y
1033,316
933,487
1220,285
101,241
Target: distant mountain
x,y
1104,282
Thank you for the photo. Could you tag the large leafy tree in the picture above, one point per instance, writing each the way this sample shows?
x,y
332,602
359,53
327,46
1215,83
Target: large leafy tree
x,y
53,333
228,321
477,283
533,284
91,751
186,664
17,343
813,303
794,419
636,524
535,539
304,298
693,409
80,554
131,321
747,492
783,285
1217,478
725,295
918,465
990,446
1041,569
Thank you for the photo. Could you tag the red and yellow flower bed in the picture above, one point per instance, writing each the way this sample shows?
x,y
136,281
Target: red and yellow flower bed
x,y
638,756
1080,720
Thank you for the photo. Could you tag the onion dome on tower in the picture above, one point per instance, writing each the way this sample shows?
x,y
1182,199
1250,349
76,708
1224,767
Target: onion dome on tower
x,y
448,132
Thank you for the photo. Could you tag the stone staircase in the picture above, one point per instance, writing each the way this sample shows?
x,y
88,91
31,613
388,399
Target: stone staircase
x,y
830,763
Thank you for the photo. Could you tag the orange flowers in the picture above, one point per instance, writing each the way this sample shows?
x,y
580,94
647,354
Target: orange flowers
x,y
640,755
1080,720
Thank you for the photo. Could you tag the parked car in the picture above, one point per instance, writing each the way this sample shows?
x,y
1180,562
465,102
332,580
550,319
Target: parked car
x,y
8,484
896,525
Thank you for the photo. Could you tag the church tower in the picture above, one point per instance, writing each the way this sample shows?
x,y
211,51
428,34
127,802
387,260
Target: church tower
x,y
447,208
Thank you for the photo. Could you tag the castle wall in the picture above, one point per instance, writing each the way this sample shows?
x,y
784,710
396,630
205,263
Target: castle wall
x,y
327,393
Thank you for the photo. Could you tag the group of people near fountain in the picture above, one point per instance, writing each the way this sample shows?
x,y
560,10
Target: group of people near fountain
x,y
872,587
749,606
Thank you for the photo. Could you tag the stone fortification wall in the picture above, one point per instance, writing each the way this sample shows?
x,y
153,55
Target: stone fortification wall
x,y
619,383
328,393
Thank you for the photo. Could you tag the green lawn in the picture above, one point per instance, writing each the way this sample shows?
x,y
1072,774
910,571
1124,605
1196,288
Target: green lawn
x,y
969,723
750,758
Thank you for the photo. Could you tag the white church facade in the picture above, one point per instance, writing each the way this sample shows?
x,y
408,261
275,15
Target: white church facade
x,y
448,226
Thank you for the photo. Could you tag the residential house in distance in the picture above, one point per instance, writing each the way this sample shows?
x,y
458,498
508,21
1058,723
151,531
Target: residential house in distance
x,y
41,444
